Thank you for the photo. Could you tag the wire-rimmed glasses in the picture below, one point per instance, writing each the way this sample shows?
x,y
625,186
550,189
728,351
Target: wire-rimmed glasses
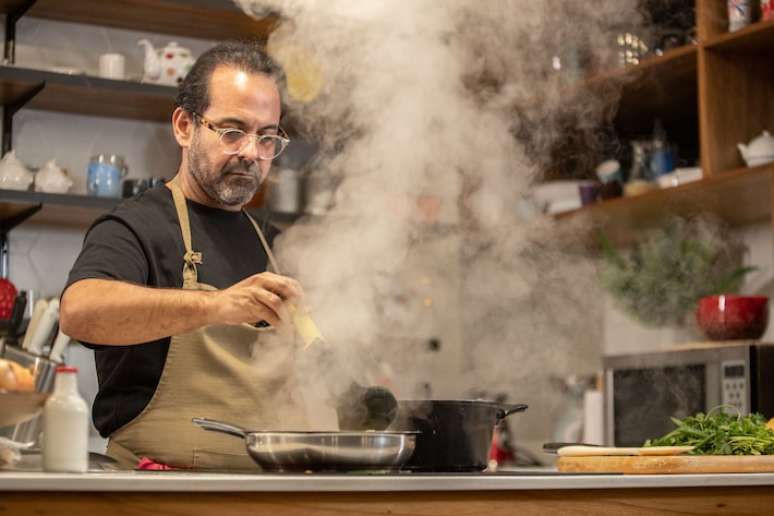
x,y
233,141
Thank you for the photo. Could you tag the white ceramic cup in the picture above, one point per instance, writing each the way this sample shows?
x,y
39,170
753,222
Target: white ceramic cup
x,y
111,66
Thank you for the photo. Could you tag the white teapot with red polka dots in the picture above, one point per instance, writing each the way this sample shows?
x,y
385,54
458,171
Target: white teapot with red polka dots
x,y
168,65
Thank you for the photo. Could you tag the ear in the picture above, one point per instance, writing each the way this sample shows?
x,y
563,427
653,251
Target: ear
x,y
183,127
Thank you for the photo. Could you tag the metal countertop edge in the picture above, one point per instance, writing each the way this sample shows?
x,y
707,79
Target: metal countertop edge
x,y
205,482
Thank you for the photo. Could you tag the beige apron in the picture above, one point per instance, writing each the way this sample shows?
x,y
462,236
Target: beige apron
x,y
233,373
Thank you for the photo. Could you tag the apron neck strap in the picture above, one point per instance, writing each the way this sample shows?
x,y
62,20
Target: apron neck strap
x,y
264,242
190,258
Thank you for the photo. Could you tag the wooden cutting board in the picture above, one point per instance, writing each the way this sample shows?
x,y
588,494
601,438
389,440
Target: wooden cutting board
x,y
666,465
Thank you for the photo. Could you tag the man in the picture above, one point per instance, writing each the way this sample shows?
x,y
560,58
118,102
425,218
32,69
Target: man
x,y
169,286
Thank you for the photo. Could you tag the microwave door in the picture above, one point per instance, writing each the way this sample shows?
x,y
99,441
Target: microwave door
x,y
643,400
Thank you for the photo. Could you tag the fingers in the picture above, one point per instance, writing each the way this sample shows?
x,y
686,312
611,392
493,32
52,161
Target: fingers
x,y
273,306
285,287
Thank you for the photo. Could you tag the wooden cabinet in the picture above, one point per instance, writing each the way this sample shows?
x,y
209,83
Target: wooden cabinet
x,y
724,87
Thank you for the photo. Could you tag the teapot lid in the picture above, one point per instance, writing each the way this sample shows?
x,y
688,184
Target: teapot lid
x,y
762,145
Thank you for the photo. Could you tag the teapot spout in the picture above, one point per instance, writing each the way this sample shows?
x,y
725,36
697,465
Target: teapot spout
x,y
742,149
152,64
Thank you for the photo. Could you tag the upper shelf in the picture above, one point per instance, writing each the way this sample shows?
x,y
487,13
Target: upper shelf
x,y
87,95
662,86
81,210
755,39
207,19
738,197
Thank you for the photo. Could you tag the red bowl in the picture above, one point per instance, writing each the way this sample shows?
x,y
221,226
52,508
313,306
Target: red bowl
x,y
731,317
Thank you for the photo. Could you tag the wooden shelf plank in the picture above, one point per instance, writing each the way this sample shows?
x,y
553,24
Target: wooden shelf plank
x,y
739,197
80,211
207,19
757,38
88,95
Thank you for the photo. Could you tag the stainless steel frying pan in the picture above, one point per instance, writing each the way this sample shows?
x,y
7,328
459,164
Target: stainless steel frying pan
x,y
321,451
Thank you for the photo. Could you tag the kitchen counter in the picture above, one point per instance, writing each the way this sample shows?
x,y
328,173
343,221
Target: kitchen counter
x,y
531,491
529,479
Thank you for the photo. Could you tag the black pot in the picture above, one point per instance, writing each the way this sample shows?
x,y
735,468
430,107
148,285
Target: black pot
x,y
455,435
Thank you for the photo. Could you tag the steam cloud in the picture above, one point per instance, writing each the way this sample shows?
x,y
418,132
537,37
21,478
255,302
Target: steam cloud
x,y
433,118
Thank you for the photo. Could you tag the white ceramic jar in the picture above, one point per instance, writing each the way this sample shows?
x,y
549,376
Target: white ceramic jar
x,y
66,425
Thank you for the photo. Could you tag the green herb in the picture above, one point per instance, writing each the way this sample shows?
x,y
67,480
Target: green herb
x,y
717,433
662,277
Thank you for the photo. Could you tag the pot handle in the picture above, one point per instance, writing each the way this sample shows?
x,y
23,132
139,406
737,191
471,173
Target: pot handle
x,y
219,426
506,410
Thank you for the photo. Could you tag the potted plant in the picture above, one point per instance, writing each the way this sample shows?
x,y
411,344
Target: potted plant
x,y
660,280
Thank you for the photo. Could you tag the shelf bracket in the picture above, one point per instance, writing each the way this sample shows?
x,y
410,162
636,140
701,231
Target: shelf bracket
x,y
9,56
6,225
10,109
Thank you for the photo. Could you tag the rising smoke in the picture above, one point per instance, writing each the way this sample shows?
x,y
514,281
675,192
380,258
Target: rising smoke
x,y
433,119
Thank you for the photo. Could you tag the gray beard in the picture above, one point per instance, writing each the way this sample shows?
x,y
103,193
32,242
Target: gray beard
x,y
227,190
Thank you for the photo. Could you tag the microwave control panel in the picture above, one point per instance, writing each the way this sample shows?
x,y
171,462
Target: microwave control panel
x,y
734,390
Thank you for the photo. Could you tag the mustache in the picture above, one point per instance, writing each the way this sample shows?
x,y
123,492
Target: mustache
x,y
243,168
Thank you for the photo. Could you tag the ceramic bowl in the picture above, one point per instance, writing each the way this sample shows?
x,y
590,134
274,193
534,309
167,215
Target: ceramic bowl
x,y
733,317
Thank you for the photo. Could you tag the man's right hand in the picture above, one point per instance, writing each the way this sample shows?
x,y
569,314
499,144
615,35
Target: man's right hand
x,y
260,297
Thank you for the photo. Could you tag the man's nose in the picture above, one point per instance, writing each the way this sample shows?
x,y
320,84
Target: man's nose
x,y
249,150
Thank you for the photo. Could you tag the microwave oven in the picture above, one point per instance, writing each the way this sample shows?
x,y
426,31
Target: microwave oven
x,y
644,391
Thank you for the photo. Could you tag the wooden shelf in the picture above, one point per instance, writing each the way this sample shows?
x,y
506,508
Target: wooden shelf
x,y
80,211
207,19
87,95
738,197
56,209
758,38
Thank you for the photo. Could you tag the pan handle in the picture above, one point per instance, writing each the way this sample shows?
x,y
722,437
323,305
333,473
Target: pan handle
x,y
506,410
219,426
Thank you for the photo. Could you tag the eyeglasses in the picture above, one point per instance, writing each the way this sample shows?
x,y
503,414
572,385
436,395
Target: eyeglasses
x,y
234,141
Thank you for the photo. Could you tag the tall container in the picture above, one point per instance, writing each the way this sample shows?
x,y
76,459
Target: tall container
x,y
66,425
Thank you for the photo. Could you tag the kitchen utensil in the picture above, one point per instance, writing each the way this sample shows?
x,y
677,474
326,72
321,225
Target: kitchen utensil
x,y
686,464
285,193
18,407
13,174
739,14
589,193
455,435
759,151
112,66
732,317
321,451
37,314
592,450
7,298
21,411
168,65
45,326
57,348
17,314
52,179
104,175
366,408
302,321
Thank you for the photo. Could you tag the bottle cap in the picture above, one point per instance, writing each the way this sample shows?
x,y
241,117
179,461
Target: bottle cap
x,y
66,369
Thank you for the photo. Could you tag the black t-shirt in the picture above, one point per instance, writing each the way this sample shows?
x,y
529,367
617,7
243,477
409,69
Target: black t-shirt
x,y
140,242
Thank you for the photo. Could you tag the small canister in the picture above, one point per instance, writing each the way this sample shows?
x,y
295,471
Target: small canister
x,y
739,14
104,176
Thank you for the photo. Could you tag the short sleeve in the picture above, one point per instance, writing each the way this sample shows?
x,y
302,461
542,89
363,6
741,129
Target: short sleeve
x,y
111,250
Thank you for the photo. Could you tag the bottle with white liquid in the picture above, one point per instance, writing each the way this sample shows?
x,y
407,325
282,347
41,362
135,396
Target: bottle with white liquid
x,y
66,425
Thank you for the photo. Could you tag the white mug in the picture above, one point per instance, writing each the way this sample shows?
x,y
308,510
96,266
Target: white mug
x,y
111,66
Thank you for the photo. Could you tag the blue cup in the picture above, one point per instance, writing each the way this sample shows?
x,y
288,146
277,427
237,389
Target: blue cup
x,y
105,174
